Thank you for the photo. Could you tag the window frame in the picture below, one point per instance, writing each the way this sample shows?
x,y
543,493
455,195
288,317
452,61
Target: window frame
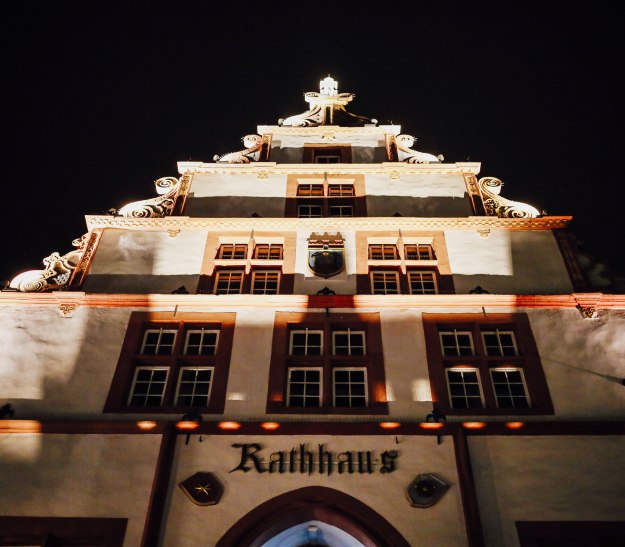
x,y
289,383
334,383
179,382
255,272
282,360
230,271
421,273
223,247
269,248
527,360
130,360
395,273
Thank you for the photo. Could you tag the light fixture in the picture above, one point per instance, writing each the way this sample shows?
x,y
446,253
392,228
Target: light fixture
x,y
229,425
389,425
188,423
146,425
514,425
270,426
438,418
474,425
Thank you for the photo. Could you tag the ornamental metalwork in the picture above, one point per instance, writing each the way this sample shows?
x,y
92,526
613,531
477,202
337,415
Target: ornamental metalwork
x,y
161,206
253,145
57,273
325,106
406,154
495,205
202,488
426,490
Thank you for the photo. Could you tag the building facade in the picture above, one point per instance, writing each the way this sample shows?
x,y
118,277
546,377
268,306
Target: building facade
x,y
327,338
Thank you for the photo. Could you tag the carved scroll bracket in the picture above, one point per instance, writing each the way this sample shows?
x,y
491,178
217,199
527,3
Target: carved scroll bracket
x,y
495,205
406,154
167,188
253,145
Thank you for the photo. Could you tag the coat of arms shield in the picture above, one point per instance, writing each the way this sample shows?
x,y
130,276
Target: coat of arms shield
x,y
326,254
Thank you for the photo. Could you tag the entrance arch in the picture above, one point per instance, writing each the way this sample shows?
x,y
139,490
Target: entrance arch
x,y
312,503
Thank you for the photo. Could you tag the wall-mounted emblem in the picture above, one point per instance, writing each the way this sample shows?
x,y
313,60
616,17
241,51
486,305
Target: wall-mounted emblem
x,y
426,490
326,254
202,488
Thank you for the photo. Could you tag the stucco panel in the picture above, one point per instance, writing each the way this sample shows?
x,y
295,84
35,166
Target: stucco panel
x,y
79,475
546,478
214,184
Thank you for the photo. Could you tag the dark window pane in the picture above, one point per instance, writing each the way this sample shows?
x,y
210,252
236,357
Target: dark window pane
x,y
505,402
458,402
297,389
312,389
297,375
454,376
473,389
359,402
341,389
297,401
312,375
341,376
517,390
475,403
358,389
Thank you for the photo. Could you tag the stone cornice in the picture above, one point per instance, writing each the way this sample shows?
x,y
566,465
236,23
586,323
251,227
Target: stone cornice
x,y
329,224
598,301
394,169
380,130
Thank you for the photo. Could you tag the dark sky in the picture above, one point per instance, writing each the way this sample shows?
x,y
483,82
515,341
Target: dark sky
x,y
99,104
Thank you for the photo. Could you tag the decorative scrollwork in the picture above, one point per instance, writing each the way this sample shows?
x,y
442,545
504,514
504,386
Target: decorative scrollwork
x,y
57,273
495,205
310,118
406,154
253,145
167,188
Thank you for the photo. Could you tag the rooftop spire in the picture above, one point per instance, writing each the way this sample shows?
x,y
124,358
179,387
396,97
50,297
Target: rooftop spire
x,y
326,108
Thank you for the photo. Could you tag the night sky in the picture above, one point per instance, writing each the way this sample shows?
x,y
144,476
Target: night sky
x,y
99,104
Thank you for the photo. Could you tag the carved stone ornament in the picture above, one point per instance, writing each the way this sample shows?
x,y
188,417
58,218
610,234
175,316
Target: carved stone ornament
x,y
326,108
253,145
426,490
326,254
495,205
202,488
408,155
588,312
67,310
167,188
57,273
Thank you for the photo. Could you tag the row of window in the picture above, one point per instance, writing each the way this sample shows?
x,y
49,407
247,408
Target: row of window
x,y
331,365
235,281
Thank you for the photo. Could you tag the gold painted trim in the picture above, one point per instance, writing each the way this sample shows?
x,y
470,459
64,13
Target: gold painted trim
x,y
229,302
329,224
272,168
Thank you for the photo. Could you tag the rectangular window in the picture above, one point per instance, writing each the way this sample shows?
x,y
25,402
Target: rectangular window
x,y
265,282
170,364
158,342
509,387
148,386
201,342
348,342
310,211
229,282
304,387
334,365
350,387
422,282
384,282
194,386
270,251
383,252
310,189
464,388
419,252
456,343
485,364
232,252
306,342
344,190
499,342
341,211
327,158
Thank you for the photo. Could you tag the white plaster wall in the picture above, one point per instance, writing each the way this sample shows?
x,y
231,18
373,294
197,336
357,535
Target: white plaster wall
x,y
211,184
442,525
149,252
583,360
79,475
406,368
546,478
416,185
298,141
523,262
249,366
54,366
